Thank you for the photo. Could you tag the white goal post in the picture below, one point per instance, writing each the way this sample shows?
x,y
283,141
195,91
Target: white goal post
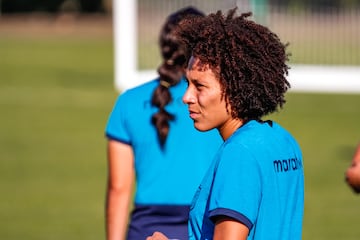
x,y
305,78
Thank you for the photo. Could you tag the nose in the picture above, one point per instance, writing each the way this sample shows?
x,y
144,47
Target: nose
x,y
188,96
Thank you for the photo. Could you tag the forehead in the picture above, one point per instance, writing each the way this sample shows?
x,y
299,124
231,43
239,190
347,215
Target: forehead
x,y
200,72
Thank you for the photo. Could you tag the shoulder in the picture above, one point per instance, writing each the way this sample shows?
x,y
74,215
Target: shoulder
x,y
236,152
255,133
247,135
248,141
130,100
143,90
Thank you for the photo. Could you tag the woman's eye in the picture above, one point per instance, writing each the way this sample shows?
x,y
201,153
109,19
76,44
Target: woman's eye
x,y
199,85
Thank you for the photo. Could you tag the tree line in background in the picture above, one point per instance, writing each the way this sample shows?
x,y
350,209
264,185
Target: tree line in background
x,y
52,6
102,6
315,5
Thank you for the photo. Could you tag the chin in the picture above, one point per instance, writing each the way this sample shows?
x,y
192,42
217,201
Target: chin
x,y
201,128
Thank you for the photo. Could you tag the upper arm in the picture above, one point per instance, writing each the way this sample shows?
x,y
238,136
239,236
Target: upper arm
x,y
121,171
229,229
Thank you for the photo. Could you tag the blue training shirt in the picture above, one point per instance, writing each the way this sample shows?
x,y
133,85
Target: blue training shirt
x,y
257,179
166,179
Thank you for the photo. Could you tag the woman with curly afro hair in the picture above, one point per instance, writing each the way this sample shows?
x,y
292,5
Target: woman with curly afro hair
x,y
236,75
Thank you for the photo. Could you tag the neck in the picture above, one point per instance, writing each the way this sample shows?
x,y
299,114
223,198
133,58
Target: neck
x,y
227,129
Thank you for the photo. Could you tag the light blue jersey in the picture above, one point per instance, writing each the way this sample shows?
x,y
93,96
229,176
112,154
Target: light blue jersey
x,y
257,179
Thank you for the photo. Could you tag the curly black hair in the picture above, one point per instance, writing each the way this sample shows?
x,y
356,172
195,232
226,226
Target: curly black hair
x,y
248,58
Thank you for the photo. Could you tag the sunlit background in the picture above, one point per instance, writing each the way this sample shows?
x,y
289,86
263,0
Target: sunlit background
x,y
58,68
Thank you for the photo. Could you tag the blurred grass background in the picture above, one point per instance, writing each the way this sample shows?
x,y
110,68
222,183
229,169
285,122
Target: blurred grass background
x,y
56,91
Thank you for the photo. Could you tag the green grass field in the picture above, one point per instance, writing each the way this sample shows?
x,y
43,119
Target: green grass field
x,y
55,97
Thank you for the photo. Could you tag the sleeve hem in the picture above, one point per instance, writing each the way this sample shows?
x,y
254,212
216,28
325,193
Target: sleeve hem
x,y
232,214
112,137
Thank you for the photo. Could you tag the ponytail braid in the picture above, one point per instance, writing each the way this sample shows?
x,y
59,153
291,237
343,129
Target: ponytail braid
x,y
170,71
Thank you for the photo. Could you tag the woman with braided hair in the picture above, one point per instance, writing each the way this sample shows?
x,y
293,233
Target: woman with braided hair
x,y
254,188
153,144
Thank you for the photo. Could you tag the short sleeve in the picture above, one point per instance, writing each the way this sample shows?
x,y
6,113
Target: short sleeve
x,y
116,126
236,190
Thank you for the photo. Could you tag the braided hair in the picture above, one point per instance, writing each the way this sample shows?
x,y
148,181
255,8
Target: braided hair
x,y
170,71
249,60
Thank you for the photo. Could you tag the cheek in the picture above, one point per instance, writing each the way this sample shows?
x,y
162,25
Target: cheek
x,y
213,106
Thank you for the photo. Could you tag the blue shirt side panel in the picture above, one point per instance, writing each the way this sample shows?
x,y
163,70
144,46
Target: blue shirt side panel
x,y
170,175
257,179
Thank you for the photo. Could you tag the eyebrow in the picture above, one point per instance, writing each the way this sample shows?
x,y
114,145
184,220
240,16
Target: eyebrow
x,y
198,81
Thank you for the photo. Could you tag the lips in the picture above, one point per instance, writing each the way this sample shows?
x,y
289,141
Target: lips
x,y
193,114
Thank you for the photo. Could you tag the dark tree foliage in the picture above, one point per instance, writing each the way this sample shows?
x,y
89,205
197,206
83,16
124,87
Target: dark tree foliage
x,y
52,6
89,6
316,5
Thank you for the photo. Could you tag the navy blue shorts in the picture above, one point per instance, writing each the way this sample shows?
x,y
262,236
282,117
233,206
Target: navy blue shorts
x,y
169,219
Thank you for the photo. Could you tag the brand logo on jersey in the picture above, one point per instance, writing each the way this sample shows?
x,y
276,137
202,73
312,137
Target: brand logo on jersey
x,y
286,165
